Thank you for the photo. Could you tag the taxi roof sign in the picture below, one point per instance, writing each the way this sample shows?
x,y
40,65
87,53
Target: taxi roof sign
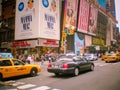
x,y
6,55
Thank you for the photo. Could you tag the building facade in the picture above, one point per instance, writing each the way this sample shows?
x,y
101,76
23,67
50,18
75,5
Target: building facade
x,y
85,26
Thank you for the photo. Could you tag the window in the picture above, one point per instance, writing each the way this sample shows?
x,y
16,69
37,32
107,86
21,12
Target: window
x,y
17,62
5,63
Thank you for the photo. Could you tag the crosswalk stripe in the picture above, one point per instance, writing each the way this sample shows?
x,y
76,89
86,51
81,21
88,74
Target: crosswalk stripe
x,y
18,83
56,89
26,86
23,86
41,88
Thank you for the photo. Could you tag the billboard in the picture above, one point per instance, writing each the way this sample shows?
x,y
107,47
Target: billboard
x,y
88,40
110,7
70,13
102,3
26,20
108,33
93,19
49,19
83,16
37,19
79,43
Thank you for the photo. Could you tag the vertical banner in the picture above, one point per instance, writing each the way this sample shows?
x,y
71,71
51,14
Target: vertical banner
x,y
114,33
26,19
88,40
108,33
70,19
49,19
93,19
83,16
79,43
71,13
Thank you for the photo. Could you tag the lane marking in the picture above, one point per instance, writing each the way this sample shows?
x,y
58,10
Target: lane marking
x,y
103,64
41,88
26,86
56,89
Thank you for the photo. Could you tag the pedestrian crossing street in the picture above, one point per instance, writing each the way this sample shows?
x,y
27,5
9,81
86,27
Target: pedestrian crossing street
x,y
24,86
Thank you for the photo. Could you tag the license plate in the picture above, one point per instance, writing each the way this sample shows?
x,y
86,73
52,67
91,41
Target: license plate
x,y
55,66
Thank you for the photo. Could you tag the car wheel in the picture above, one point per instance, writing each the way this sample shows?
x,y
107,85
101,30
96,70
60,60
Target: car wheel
x,y
33,72
92,67
57,74
106,61
0,77
76,72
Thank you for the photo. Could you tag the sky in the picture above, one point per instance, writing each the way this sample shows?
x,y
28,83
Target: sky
x,y
117,6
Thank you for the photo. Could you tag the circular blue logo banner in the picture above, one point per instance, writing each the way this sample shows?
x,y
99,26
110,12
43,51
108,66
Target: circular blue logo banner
x,y
45,3
21,6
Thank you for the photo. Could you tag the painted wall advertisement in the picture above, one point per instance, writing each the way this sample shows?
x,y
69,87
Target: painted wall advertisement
x,y
37,19
83,16
79,44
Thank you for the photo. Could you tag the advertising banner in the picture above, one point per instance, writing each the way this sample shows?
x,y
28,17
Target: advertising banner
x,y
79,43
108,33
83,16
115,33
88,40
27,19
23,44
70,13
49,19
37,19
93,19
47,43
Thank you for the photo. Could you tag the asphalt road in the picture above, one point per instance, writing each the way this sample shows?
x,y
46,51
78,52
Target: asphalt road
x,y
106,76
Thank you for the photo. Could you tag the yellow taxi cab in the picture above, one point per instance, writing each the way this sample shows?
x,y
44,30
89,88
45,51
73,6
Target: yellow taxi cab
x,y
10,67
103,57
118,54
111,57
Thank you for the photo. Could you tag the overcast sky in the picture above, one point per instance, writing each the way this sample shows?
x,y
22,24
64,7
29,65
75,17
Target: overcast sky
x,y
118,12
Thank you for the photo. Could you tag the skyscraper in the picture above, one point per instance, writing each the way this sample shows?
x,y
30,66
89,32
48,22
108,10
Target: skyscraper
x,y
110,7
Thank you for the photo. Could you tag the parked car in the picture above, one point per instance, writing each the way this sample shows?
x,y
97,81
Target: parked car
x,y
4,86
70,65
111,57
10,67
91,56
